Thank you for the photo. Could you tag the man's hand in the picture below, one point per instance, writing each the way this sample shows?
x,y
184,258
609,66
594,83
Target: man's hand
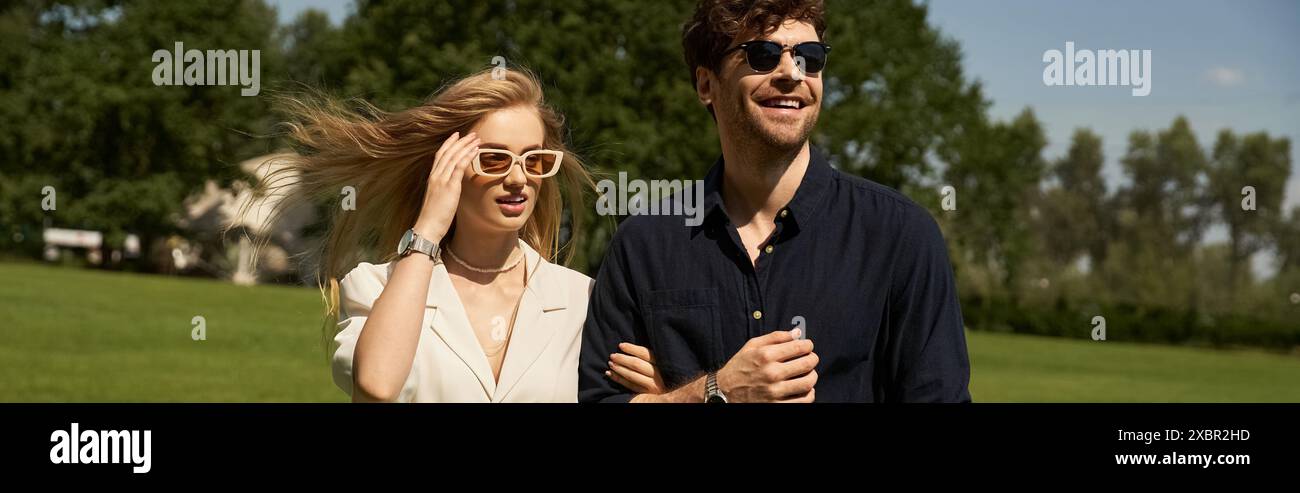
x,y
772,368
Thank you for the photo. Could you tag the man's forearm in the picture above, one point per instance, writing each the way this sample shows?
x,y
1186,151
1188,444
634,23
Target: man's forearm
x,y
692,392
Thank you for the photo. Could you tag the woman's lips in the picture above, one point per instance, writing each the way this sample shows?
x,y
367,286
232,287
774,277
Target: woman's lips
x,y
512,205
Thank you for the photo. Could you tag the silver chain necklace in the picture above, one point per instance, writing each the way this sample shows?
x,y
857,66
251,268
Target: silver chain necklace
x,y
480,269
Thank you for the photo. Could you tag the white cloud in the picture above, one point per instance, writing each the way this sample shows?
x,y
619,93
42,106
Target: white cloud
x,y
1225,77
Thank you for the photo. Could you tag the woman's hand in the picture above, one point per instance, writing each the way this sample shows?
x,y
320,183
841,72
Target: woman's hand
x,y
442,194
634,368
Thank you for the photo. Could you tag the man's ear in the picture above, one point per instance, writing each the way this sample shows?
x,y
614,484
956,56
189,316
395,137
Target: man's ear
x,y
705,84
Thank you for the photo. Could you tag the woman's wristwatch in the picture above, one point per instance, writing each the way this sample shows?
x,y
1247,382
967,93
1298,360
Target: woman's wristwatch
x,y
413,242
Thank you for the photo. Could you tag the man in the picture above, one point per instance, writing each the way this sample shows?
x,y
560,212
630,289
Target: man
x,y
802,283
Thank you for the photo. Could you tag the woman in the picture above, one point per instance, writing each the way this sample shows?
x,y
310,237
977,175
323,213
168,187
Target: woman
x,y
465,193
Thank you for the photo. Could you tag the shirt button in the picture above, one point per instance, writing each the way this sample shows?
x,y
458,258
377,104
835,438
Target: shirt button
x,y
768,249
758,314
785,212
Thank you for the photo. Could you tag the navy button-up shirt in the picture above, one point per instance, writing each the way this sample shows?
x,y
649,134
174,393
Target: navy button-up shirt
x,y
860,267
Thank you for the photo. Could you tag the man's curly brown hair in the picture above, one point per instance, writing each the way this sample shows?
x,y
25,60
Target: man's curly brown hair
x,y
717,23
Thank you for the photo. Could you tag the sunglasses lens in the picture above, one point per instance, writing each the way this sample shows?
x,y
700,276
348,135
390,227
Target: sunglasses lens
x,y
540,164
763,56
814,56
492,162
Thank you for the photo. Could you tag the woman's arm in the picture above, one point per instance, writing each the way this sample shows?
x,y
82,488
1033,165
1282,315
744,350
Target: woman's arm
x,y
386,347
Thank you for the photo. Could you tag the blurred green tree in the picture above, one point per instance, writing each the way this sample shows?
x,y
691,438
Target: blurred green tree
x,y
80,108
996,170
1074,215
1263,164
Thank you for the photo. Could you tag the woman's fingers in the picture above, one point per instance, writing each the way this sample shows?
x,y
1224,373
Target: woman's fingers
x,y
445,157
459,155
442,197
636,364
639,367
442,151
447,143
618,377
458,170
448,158
635,350
636,389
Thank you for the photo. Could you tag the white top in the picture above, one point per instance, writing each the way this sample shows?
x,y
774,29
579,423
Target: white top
x,y
541,362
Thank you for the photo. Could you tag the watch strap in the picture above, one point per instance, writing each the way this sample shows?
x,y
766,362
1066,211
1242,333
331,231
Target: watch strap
x,y
711,388
422,245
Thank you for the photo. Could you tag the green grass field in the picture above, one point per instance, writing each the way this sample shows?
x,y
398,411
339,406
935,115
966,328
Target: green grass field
x,y
78,335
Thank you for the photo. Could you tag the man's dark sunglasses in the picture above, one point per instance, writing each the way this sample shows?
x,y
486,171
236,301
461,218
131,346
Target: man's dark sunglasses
x,y
763,56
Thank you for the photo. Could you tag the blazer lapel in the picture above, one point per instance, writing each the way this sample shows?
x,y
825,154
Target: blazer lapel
x,y
452,325
535,324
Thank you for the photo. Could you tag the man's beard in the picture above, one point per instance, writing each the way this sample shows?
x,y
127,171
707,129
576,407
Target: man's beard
x,y
773,136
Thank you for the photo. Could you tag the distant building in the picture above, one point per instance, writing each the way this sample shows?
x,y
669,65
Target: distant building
x,y
216,210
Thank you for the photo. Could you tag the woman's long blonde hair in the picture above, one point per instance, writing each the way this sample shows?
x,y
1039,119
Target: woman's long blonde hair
x,y
386,157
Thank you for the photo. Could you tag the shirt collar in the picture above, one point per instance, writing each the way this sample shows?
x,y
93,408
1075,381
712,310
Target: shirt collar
x,y
801,209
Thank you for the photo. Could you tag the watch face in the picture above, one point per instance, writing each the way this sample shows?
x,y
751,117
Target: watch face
x,y
405,243
716,399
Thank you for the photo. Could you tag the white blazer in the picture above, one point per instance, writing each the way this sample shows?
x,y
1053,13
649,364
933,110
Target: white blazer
x,y
541,361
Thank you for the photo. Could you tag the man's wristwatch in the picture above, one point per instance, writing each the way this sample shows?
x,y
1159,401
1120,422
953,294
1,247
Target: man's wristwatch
x,y
412,242
712,394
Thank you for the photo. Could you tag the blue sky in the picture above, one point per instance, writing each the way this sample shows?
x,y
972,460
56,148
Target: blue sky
x,y
1223,64
288,9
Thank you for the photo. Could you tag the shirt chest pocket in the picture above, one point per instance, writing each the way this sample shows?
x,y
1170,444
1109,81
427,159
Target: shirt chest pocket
x,y
684,330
